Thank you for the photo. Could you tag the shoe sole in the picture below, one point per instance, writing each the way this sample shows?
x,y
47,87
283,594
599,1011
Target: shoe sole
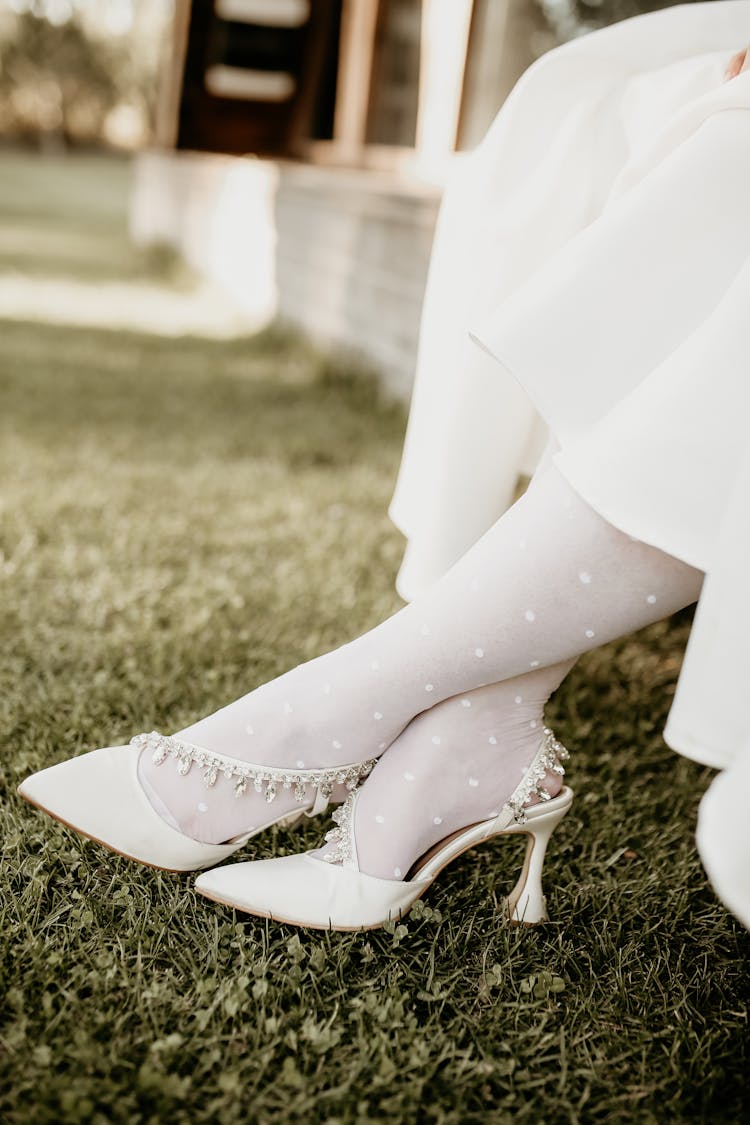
x,y
294,819
102,843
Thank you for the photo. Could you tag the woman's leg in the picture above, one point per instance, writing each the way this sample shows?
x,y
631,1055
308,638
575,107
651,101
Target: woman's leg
x,y
550,580
454,765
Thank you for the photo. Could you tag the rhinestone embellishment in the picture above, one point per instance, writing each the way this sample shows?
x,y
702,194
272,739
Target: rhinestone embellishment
x,y
550,756
264,779
341,836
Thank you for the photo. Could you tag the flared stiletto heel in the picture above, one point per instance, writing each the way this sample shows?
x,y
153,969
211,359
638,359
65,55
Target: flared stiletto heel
x,y
99,795
331,892
526,903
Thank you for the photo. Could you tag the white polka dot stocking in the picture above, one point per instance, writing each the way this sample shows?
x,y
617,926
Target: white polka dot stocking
x,y
453,765
548,581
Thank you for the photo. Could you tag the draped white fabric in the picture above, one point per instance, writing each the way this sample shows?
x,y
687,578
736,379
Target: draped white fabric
x,y
596,246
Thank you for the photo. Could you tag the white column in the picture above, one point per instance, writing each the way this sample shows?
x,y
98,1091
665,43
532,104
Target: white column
x,y
444,44
357,42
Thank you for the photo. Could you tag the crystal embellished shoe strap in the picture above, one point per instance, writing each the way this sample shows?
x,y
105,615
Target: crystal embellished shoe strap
x,y
344,850
549,757
264,779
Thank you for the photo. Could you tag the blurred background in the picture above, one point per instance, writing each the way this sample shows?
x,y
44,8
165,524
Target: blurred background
x,y
255,159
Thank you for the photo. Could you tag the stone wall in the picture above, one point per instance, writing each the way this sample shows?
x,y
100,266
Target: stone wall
x,y
341,254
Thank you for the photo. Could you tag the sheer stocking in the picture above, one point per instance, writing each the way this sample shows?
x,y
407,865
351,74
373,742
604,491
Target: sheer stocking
x,y
548,581
453,765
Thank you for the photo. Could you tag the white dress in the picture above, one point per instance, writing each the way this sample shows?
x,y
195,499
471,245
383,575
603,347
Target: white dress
x,y
592,262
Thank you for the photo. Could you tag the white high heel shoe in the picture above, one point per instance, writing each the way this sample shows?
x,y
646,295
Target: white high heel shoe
x,y
99,795
332,892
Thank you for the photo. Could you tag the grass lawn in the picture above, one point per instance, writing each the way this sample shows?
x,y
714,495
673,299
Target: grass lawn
x,y
181,520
